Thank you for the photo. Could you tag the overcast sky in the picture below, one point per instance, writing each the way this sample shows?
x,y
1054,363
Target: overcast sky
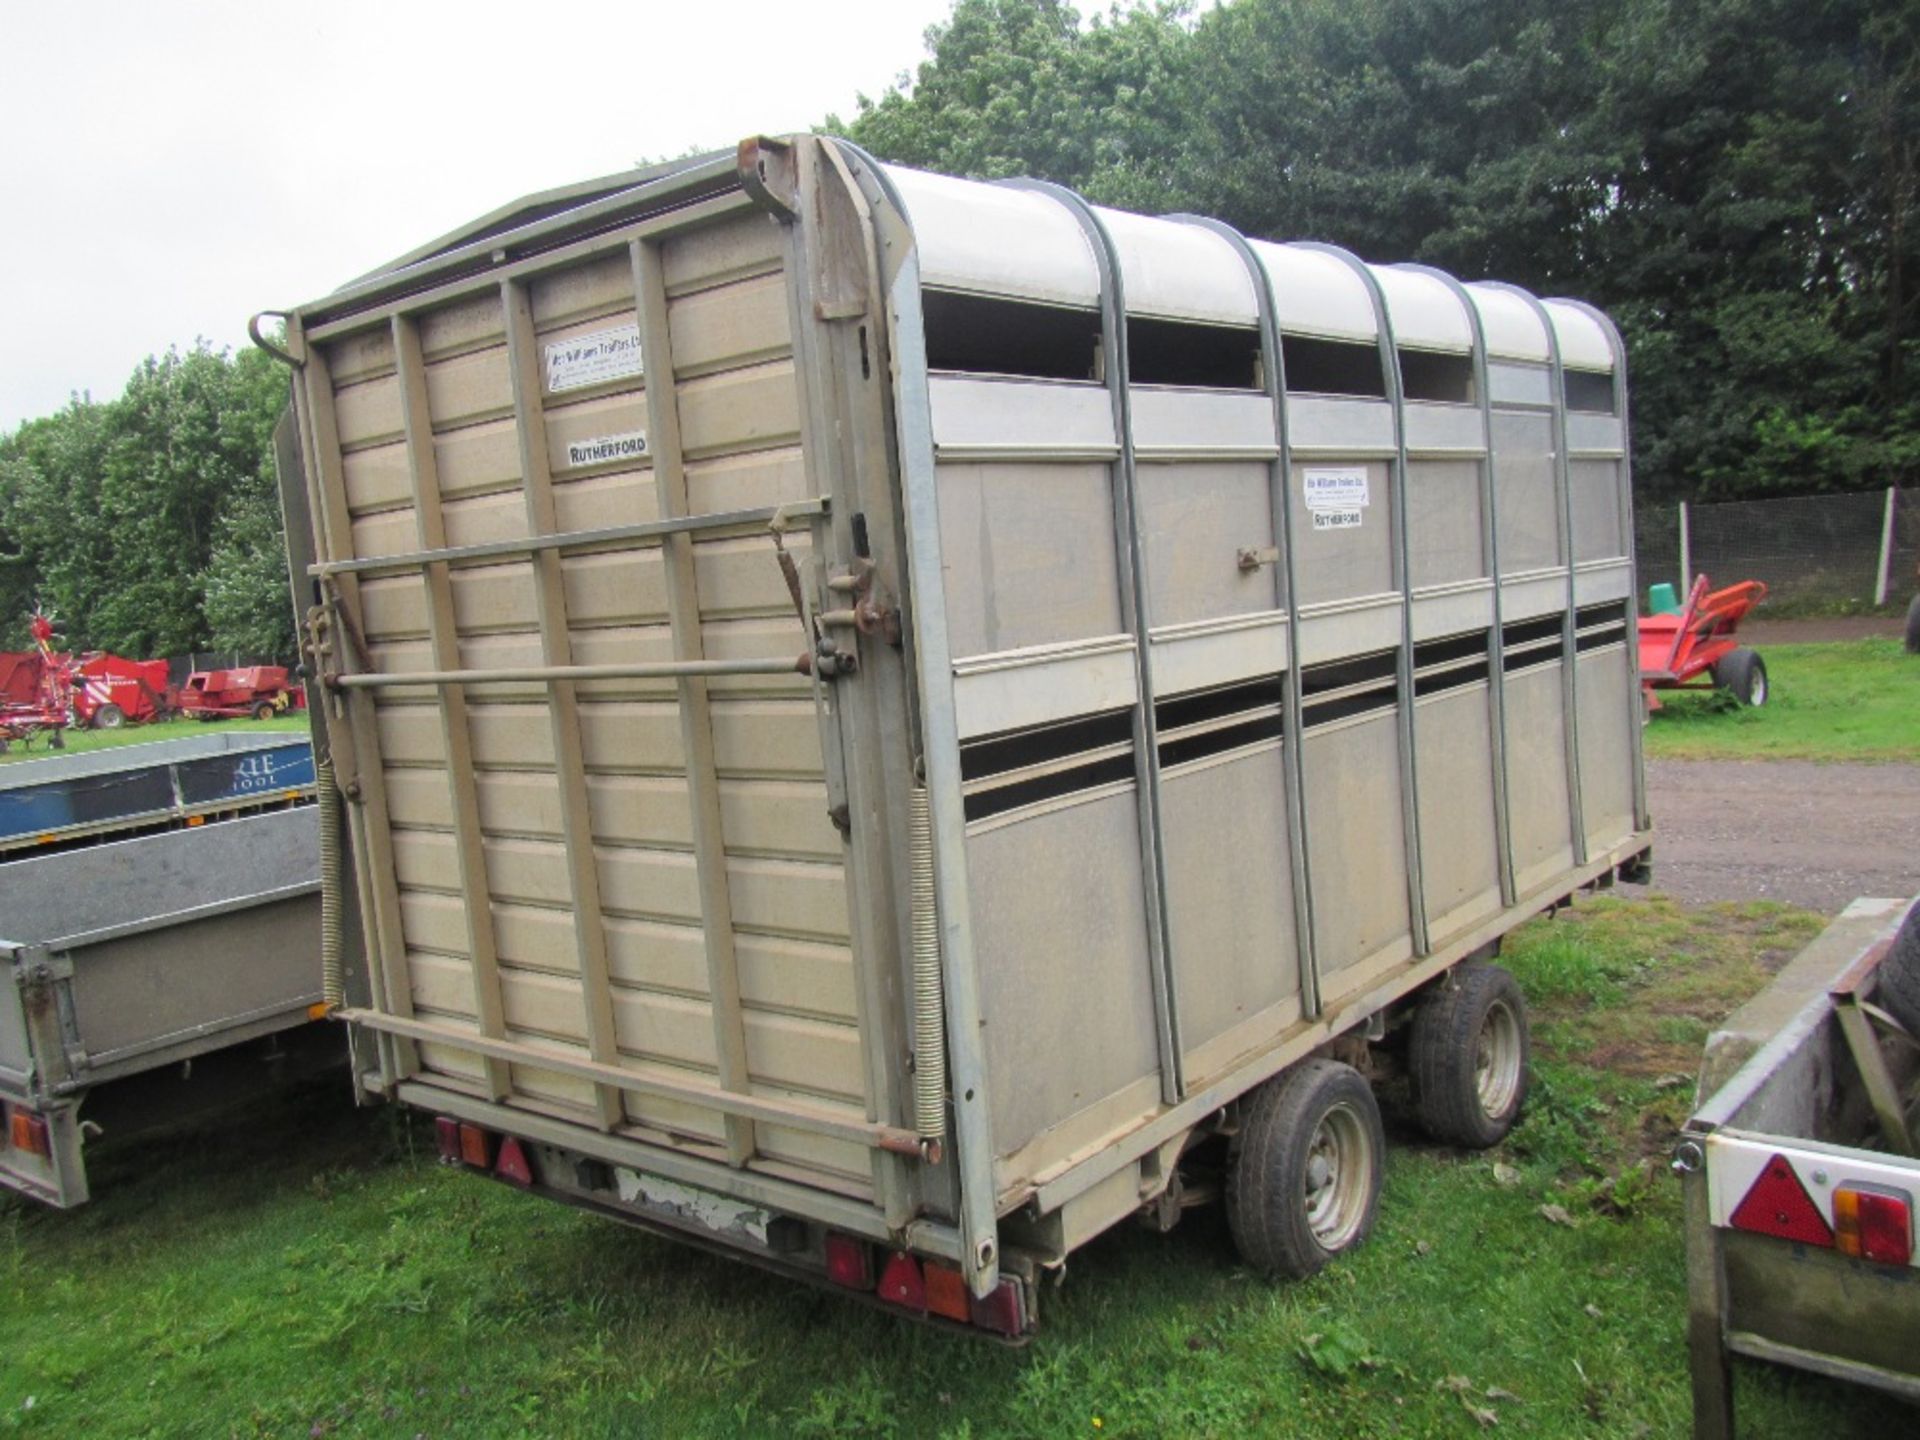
x,y
168,169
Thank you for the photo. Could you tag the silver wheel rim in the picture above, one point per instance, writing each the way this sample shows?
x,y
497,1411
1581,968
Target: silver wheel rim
x,y
1496,1061
1339,1178
1757,688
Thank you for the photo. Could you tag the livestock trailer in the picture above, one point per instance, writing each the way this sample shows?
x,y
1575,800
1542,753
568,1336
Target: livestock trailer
x,y
877,716
159,944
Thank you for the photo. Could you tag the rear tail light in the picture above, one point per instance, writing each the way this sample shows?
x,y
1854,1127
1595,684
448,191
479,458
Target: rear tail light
x,y
1001,1308
476,1147
1778,1204
27,1131
1874,1222
947,1293
849,1262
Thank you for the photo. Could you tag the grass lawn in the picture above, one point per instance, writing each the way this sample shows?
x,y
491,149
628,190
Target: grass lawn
x,y
1857,700
310,1272
81,741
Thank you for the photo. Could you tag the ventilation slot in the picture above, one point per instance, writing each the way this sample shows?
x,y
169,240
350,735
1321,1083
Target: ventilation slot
x,y
1332,367
1449,663
1180,352
1598,625
983,335
1530,642
1429,375
1212,722
1586,391
1029,766
1342,689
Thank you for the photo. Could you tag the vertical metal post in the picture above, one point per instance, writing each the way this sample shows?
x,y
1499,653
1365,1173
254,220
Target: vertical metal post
x,y
1635,742
1709,1364
1403,578
367,820
940,758
1279,489
423,470
1883,577
1686,555
834,310
1133,600
563,707
696,716
1490,548
1569,623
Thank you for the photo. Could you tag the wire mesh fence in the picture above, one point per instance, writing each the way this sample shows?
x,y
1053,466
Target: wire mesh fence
x,y
1816,552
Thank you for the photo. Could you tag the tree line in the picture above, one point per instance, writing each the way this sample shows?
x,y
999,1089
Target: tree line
x,y
149,524
1735,181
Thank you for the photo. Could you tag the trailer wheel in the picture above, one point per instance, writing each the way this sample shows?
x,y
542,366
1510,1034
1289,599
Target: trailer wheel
x,y
1913,626
109,717
264,710
1743,674
1899,992
1468,1056
1303,1181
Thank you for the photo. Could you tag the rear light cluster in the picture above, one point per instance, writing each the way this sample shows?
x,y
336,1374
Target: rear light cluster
x,y
1873,1222
28,1131
925,1287
504,1157
1870,1222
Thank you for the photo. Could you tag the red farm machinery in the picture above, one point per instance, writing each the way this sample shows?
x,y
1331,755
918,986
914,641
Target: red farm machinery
x,y
261,691
44,691
36,690
1681,644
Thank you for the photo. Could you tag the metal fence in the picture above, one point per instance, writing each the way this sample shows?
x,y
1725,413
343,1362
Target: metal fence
x,y
1815,551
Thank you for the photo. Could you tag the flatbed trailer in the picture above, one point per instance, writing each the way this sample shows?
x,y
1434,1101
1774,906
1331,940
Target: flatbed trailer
x,y
876,717
75,798
159,943
1802,1179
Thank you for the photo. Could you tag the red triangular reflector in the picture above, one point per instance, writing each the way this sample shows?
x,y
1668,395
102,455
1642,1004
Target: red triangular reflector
x,y
1778,1204
512,1164
902,1284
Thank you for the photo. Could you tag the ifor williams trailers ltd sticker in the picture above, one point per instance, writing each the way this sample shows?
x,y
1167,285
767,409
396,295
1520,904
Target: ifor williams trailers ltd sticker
x,y
590,359
1342,487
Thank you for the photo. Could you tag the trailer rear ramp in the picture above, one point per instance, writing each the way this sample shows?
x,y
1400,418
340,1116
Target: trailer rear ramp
x,y
871,713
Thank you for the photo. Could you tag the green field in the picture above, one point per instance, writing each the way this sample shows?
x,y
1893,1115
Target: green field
x,y
310,1271
1856,700
78,742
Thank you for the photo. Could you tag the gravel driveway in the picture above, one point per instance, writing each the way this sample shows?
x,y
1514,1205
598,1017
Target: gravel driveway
x,y
1814,834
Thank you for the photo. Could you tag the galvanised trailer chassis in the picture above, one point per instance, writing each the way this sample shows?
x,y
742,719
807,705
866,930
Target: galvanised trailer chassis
x,y
441,749
139,956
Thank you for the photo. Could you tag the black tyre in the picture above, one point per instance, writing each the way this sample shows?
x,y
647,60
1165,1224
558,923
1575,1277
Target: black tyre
x,y
1743,675
1303,1180
1899,993
1469,1056
109,717
1913,626
264,710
